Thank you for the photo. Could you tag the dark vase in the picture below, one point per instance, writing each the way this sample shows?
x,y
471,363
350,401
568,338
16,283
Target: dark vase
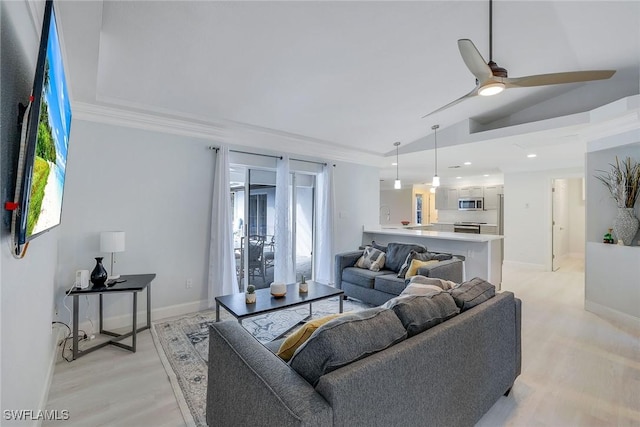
x,y
99,274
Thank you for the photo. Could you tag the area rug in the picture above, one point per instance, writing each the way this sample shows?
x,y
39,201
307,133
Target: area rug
x,y
183,347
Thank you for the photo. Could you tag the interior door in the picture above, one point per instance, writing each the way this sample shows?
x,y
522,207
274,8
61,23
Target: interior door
x,y
559,222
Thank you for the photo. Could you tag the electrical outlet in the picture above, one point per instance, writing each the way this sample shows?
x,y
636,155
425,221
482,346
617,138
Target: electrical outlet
x,y
188,284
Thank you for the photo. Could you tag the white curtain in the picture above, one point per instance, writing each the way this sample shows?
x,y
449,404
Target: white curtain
x,y
222,267
284,265
325,232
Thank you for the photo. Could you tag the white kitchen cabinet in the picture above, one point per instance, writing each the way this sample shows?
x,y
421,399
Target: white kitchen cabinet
x,y
446,198
488,229
470,192
491,197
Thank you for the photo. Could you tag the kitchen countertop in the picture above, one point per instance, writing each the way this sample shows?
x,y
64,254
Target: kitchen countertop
x,y
442,235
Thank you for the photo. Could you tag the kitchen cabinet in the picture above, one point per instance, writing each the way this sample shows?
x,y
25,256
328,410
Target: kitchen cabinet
x,y
488,229
490,198
442,227
471,192
446,198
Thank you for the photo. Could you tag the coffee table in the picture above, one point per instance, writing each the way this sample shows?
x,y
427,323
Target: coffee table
x,y
265,302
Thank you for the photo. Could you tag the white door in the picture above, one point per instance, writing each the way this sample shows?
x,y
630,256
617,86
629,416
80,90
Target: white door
x,y
560,222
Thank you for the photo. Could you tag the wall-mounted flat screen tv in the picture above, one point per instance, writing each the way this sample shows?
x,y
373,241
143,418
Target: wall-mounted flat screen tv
x,y
47,138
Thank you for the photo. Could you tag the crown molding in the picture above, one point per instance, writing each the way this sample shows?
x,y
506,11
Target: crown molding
x,y
231,133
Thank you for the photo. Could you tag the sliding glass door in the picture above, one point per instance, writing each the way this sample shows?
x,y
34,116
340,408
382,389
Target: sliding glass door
x,y
254,225
253,193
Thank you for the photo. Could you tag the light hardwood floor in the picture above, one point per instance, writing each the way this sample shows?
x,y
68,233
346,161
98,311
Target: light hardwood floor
x,y
577,369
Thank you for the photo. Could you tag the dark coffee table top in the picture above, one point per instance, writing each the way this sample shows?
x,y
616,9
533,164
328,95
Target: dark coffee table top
x,y
265,302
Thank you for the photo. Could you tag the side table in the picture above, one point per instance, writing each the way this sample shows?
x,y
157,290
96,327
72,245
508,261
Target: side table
x,y
133,283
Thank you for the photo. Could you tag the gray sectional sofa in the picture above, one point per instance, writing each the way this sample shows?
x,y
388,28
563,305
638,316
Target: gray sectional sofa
x,y
448,375
377,287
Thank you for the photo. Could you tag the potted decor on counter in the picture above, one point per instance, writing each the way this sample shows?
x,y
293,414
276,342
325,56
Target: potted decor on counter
x,y
303,286
250,294
623,182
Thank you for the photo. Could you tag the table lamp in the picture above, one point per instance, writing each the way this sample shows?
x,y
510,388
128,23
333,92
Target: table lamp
x,y
112,241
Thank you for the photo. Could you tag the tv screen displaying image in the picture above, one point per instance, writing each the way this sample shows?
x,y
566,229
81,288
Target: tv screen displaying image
x,y
47,141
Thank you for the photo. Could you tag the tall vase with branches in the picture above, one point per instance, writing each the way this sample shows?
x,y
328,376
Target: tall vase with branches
x,y
623,182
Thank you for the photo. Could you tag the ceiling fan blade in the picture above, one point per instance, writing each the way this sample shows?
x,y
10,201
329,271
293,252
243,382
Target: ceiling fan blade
x,y
558,78
473,93
474,61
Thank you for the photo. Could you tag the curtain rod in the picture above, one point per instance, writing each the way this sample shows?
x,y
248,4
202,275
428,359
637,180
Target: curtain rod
x,y
272,156
246,152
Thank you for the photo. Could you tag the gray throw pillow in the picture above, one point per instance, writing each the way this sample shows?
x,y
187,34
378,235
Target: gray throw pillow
x,y
421,312
473,292
346,339
378,247
413,254
397,254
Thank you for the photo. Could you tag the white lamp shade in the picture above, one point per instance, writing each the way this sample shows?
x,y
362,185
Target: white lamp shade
x,y
112,241
436,181
397,185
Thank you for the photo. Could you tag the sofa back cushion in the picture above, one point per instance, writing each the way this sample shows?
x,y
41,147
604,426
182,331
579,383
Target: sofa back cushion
x,y
397,254
346,339
421,312
473,292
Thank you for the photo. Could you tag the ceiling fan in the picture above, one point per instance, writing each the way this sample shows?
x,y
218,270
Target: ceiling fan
x,y
492,79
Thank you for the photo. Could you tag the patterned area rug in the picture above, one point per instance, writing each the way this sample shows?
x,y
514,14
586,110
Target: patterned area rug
x,y
183,347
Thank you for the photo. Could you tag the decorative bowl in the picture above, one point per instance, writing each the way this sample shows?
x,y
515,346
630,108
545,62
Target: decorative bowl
x,y
278,289
404,222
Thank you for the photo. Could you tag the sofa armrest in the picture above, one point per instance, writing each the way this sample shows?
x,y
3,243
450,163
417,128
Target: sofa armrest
x,y
450,269
344,260
249,385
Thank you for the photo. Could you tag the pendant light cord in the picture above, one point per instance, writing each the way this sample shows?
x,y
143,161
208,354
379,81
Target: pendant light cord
x,y
435,144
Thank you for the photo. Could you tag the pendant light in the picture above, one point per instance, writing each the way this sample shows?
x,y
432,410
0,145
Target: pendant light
x,y
397,185
436,179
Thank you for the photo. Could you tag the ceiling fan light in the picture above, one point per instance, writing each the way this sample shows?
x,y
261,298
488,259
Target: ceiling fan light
x,y
491,89
397,185
436,181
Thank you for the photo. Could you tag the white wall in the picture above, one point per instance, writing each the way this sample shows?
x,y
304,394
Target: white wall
x,y
26,286
577,216
357,199
528,216
155,187
398,203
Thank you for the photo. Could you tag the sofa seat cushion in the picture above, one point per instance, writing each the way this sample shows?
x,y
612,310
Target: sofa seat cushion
x,y
473,292
397,254
347,339
362,277
421,312
389,283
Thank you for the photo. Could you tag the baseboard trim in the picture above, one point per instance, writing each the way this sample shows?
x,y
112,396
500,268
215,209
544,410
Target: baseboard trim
x,y
612,315
57,335
524,265
124,320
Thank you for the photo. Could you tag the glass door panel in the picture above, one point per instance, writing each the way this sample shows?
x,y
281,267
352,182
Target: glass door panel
x,y
304,224
260,228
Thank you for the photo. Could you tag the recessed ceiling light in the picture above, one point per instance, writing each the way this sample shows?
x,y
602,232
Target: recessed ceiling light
x,y
531,156
458,177
394,164
467,163
486,174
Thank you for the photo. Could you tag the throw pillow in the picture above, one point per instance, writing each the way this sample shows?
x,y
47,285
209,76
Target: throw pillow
x,y
347,339
397,254
416,264
421,312
441,283
473,292
419,289
382,248
299,337
421,256
372,259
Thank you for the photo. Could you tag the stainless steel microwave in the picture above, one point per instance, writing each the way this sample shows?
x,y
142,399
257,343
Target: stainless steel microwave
x,y
471,204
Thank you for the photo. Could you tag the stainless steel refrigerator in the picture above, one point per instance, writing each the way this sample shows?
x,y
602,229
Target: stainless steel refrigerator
x,y
500,223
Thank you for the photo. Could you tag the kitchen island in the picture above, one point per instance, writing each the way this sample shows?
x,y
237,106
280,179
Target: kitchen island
x,y
482,252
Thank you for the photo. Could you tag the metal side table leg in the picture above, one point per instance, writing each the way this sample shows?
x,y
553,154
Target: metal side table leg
x,y
135,321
